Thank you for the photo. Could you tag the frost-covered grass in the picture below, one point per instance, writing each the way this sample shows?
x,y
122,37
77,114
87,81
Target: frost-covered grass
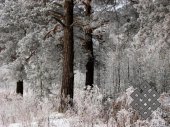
x,y
25,110
91,109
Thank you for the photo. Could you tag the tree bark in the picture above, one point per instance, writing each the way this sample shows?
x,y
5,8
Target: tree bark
x,y
68,62
89,47
19,89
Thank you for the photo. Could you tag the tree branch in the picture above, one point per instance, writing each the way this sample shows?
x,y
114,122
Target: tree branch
x,y
59,5
32,53
84,3
58,20
56,13
53,30
57,16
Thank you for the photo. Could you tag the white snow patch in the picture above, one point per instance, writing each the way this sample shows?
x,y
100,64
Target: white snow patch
x,y
34,124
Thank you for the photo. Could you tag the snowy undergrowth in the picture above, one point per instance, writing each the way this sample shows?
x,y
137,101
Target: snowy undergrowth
x,y
24,110
91,109
126,116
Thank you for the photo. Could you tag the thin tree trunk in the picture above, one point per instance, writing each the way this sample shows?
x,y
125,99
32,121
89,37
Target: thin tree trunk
x,y
98,70
98,76
68,53
90,62
164,81
89,47
119,76
19,89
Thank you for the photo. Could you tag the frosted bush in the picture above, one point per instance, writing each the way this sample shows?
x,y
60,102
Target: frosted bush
x,y
88,103
123,118
90,108
16,109
157,120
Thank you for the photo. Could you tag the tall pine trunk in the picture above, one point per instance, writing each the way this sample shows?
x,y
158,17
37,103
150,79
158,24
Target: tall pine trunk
x,y
89,47
68,54
19,89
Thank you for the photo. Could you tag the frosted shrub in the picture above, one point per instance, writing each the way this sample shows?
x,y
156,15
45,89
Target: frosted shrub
x,y
157,120
126,116
123,118
88,106
16,109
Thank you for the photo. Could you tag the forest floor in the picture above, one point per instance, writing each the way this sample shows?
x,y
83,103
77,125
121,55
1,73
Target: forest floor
x,y
18,112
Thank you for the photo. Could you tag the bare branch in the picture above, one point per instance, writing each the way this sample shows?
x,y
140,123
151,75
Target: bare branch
x,y
58,20
47,35
54,30
73,24
56,14
32,53
59,5
84,3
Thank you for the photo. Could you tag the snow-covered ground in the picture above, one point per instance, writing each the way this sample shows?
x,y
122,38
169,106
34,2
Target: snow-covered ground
x,y
87,113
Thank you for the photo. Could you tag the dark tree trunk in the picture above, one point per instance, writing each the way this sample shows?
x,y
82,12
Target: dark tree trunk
x,y
119,76
98,69
89,47
90,62
128,71
68,54
19,89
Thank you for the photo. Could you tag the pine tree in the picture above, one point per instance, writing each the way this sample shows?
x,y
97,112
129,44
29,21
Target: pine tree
x,y
68,54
